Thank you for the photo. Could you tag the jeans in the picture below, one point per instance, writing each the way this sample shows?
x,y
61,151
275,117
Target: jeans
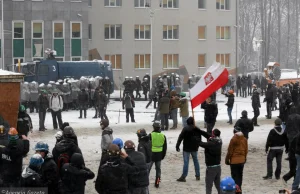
x,y
237,173
292,165
184,119
238,90
209,127
164,121
271,155
186,159
256,114
244,92
212,176
84,112
42,117
229,111
129,111
56,115
296,182
102,113
174,113
157,168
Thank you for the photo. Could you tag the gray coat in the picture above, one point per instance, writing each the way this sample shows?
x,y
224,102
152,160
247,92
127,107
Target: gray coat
x,y
107,138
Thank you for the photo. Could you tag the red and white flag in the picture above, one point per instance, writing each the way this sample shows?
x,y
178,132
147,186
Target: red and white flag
x,y
214,78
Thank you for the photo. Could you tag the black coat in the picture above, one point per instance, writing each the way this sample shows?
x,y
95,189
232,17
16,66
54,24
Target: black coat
x,y
244,82
292,125
277,138
213,149
230,101
257,82
210,112
113,176
246,125
188,134
49,174
238,82
103,100
249,81
263,83
297,144
142,178
24,123
138,84
42,103
255,100
269,94
145,148
74,178
83,98
31,178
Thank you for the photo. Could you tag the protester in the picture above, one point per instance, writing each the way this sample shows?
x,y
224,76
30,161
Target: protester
x,y
128,104
229,105
237,155
83,100
30,174
245,124
163,107
42,104
255,104
106,140
56,106
190,147
24,124
210,113
144,146
184,108
174,105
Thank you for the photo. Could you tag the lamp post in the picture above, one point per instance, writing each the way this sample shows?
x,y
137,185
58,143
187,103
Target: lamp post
x,y
151,14
259,55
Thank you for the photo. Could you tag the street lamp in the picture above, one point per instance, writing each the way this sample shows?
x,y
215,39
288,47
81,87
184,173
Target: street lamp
x,y
151,14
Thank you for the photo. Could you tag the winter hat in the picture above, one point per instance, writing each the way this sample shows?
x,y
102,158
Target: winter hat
x,y
129,144
216,132
113,150
156,124
278,122
13,139
77,160
244,113
36,160
68,132
141,132
190,121
65,124
104,122
22,108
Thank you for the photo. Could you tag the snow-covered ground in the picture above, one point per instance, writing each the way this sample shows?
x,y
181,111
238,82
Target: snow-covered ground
x,y
89,137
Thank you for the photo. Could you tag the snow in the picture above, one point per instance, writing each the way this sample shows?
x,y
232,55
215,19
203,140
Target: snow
x,y
89,138
288,74
4,73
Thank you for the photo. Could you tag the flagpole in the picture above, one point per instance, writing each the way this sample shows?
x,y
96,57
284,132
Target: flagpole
x,y
192,109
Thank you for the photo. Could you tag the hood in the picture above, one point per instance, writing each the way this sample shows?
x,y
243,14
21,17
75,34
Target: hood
x,y
27,172
239,134
216,139
107,131
64,145
144,138
77,160
278,130
49,156
113,161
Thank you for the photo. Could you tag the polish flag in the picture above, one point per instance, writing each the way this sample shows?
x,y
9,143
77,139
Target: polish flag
x,y
214,78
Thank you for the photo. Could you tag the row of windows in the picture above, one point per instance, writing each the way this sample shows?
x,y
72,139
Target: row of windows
x,y
170,32
167,4
38,29
170,61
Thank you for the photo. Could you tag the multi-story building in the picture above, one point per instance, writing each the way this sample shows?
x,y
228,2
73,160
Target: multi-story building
x,y
194,33
31,26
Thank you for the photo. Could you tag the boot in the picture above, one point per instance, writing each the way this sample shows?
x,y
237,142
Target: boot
x,y
174,127
197,178
95,117
157,181
181,179
267,177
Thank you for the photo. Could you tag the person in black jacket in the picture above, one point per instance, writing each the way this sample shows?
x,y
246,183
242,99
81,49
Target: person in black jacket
x,y
210,113
102,105
138,84
48,169
245,124
255,104
249,85
296,182
24,124
30,175
292,160
96,102
295,93
213,152
263,85
276,142
144,146
138,184
275,92
229,105
83,101
113,176
244,82
238,86
43,105
63,151
269,100
74,175
257,82
190,147
292,124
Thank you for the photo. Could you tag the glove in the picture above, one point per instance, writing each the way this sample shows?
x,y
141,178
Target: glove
x,y
177,149
227,162
286,151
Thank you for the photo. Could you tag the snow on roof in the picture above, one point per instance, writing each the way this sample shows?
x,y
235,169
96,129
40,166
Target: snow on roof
x,y
288,74
4,72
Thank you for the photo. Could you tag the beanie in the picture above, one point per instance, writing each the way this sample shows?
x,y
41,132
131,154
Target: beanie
x,y
13,139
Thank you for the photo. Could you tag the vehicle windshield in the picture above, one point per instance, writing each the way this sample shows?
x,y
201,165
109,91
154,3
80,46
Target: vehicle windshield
x,y
28,69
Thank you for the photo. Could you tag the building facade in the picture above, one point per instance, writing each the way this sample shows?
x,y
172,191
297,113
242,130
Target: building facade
x,y
31,26
192,33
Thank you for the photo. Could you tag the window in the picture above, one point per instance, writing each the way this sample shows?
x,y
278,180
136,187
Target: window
x,y
224,59
223,4
113,32
59,59
223,32
201,4
90,31
142,32
171,4
76,29
36,59
170,32
18,30
141,3
116,61
142,61
202,60
16,60
37,29
202,32
90,3
170,61
43,70
113,3
58,30
75,58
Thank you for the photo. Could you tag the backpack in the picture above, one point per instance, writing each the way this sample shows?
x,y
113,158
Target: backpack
x,y
62,159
